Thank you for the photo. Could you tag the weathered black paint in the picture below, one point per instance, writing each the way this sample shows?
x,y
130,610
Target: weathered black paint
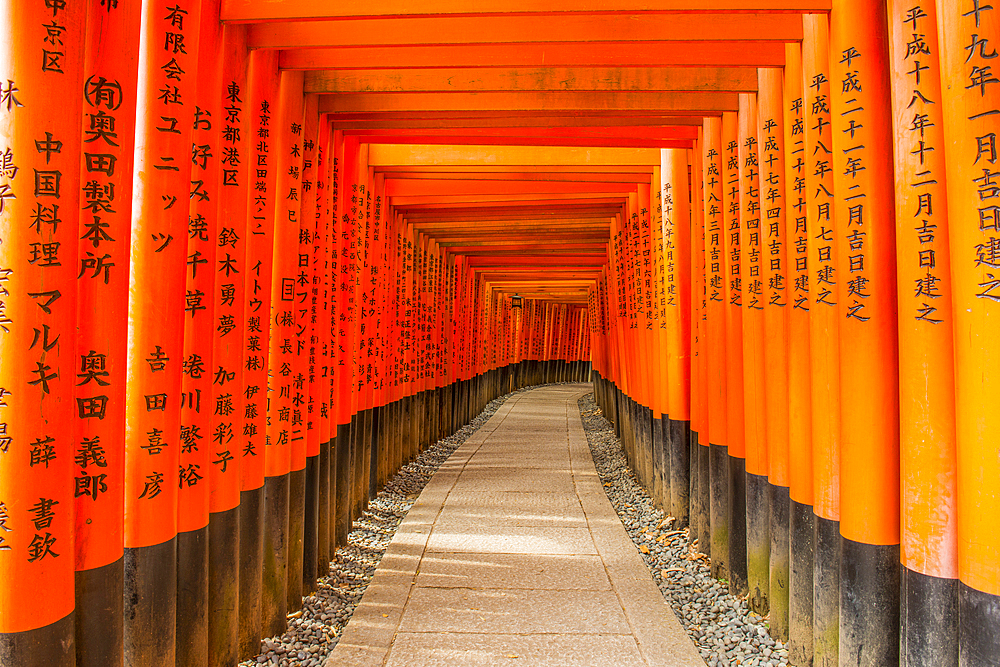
x,y
274,587
719,510
192,597
979,636
352,468
251,571
826,593
224,588
295,539
738,526
661,477
701,499
779,500
801,536
150,597
374,482
100,634
49,646
869,604
679,444
326,508
694,487
758,544
310,536
340,468
929,620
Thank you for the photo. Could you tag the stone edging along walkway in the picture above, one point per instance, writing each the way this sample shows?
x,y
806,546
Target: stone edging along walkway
x,y
661,639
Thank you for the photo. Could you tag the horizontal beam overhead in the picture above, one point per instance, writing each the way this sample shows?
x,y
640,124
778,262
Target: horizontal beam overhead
x,y
416,187
731,79
479,140
283,10
526,29
697,103
566,122
681,53
391,155
517,175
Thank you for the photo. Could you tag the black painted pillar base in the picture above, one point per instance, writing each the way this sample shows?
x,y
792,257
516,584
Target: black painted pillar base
x,y
251,626
224,588
311,537
296,538
192,597
826,593
801,536
331,503
929,621
99,621
48,646
679,444
869,603
758,544
702,499
340,468
718,515
738,526
375,454
150,596
779,500
274,588
979,636
325,507
661,476
351,491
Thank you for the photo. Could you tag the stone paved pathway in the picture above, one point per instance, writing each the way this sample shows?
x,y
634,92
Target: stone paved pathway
x,y
513,555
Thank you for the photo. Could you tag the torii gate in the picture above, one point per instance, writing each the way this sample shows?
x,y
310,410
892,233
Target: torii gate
x,y
255,255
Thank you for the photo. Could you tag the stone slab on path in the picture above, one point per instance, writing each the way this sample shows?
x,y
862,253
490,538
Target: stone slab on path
x,y
513,555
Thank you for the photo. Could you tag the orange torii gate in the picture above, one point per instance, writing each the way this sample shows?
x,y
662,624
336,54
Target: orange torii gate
x,y
767,232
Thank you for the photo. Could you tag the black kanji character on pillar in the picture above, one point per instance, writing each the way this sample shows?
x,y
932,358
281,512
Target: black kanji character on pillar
x,y
152,486
95,406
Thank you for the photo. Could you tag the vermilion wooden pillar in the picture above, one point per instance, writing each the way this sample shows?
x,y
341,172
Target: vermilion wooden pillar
x,y
774,277
282,357
968,34
699,384
716,465
661,375
42,70
194,459
824,327
734,293
321,311
928,519
306,313
99,450
227,423
162,188
289,216
801,518
262,107
676,306
752,259
866,261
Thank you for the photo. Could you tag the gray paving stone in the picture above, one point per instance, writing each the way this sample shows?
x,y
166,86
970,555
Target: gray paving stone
x,y
530,571
513,555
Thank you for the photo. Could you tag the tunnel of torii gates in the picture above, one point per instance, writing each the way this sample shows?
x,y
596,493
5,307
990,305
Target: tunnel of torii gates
x,y
255,256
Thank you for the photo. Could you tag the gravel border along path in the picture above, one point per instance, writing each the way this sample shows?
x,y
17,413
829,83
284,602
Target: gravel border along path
x,y
314,630
725,631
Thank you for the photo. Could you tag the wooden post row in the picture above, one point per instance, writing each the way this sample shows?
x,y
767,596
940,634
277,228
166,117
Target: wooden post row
x,y
791,334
